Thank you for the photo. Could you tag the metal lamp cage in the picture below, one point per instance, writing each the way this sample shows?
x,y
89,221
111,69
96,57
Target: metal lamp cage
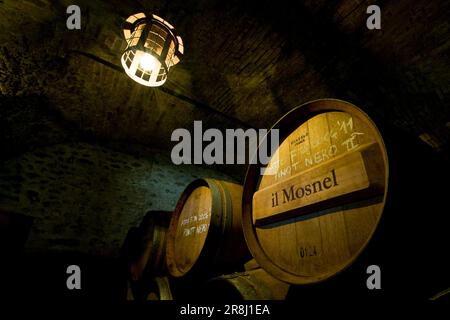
x,y
155,37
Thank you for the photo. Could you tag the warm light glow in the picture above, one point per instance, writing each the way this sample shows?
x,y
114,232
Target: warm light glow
x,y
153,47
149,62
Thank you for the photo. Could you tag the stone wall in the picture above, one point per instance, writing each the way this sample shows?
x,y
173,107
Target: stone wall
x,y
84,197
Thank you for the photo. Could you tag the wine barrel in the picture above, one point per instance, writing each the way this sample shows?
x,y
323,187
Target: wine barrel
x,y
251,265
315,213
158,288
250,285
129,252
205,232
151,246
14,231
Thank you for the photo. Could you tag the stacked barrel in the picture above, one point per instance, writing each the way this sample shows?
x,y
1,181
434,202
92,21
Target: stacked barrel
x,y
308,218
189,256
205,233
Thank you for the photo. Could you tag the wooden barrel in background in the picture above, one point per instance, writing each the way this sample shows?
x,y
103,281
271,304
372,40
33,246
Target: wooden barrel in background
x,y
157,288
205,232
254,284
151,246
315,215
142,255
160,289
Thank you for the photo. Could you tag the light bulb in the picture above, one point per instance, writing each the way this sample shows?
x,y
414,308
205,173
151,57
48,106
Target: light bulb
x,y
148,62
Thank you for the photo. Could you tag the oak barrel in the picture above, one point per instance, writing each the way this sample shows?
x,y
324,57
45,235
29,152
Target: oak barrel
x,y
142,256
151,246
157,288
316,212
249,285
129,251
205,232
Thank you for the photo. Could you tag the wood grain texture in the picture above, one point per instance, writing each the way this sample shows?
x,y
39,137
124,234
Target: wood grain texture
x,y
192,228
205,231
157,288
333,149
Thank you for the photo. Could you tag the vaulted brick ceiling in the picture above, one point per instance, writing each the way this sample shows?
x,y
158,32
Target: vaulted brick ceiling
x,y
250,60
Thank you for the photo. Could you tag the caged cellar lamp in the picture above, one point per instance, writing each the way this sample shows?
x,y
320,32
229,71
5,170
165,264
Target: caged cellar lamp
x,y
153,48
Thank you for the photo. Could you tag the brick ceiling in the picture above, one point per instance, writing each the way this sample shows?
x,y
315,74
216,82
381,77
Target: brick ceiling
x,y
250,60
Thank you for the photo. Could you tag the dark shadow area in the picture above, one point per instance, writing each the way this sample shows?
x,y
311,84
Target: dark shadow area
x,y
391,92
28,122
43,277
